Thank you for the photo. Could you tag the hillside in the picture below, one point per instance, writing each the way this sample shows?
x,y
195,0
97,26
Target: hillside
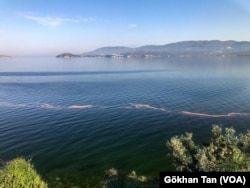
x,y
178,49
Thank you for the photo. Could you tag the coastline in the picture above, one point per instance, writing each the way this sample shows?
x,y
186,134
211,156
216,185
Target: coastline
x,y
5,57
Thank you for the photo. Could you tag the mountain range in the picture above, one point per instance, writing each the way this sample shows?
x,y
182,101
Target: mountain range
x,y
178,49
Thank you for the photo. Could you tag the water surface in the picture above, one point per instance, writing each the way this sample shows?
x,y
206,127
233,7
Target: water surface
x,y
77,118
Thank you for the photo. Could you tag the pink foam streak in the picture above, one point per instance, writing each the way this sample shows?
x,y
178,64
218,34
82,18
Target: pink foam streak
x,y
80,106
215,115
139,106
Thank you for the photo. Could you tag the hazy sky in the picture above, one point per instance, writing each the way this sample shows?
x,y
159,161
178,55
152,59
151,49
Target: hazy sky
x,y
50,27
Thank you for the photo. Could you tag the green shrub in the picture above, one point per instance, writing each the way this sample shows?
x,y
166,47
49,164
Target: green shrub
x,y
225,152
19,173
116,179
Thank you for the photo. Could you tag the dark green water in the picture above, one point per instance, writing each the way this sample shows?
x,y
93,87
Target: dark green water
x,y
77,118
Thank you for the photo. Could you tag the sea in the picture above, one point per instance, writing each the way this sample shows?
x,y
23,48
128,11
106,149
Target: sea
x,y
76,118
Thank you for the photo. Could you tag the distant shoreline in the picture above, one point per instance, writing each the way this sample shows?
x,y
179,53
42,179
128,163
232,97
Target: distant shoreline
x,y
5,57
215,48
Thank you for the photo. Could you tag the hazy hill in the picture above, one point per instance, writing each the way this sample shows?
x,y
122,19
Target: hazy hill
x,y
178,49
67,55
4,56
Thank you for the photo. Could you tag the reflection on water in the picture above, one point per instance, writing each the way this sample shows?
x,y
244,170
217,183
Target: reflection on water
x,y
209,66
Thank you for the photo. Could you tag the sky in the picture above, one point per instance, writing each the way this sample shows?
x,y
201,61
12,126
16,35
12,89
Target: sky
x,y
52,27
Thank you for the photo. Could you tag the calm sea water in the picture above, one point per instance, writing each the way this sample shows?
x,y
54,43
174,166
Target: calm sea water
x,y
76,118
